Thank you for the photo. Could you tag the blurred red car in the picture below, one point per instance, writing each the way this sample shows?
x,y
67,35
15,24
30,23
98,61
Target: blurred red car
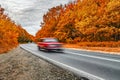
x,y
49,44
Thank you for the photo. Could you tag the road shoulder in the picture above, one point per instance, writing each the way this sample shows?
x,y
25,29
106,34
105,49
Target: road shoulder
x,y
19,64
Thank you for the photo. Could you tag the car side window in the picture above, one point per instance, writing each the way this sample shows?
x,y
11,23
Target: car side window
x,y
50,40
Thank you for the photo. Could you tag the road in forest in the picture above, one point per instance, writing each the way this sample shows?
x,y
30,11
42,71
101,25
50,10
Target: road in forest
x,y
92,65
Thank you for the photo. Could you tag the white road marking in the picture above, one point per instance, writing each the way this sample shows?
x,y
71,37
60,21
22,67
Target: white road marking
x,y
97,57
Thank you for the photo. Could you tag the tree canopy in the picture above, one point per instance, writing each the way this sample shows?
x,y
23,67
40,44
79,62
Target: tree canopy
x,y
11,34
86,20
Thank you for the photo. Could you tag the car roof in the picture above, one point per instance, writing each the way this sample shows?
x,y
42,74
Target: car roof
x,y
48,38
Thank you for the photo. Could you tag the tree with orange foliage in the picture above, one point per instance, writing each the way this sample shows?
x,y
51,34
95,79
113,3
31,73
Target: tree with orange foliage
x,y
86,20
10,33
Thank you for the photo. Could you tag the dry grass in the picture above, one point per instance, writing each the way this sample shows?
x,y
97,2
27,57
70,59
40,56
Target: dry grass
x,y
97,46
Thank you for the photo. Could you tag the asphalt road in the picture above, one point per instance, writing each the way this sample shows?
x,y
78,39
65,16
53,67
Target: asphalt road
x,y
92,65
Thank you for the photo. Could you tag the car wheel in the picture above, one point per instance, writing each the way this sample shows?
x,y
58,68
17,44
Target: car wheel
x,y
60,50
39,48
47,50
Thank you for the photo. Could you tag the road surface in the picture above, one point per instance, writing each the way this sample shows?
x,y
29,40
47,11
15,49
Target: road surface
x,y
92,65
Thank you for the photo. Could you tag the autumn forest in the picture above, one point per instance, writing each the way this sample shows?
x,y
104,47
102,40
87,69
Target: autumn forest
x,y
11,34
76,22
87,20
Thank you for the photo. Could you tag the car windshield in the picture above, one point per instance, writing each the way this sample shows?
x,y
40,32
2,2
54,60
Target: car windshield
x,y
50,40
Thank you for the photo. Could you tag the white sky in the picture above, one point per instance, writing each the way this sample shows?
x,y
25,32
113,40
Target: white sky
x,y
29,13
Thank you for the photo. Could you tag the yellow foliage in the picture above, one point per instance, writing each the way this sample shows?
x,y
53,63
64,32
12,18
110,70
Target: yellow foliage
x,y
87,20
10,33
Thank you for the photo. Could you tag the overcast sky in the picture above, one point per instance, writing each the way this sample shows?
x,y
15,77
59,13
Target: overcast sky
x,y
29,13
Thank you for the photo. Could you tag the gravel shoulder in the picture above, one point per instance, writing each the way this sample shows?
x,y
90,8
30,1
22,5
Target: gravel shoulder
x,y
19,64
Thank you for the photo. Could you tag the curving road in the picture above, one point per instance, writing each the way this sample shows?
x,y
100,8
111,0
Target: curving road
x,y
92,65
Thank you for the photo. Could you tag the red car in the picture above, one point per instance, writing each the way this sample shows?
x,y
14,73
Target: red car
x,y
49,44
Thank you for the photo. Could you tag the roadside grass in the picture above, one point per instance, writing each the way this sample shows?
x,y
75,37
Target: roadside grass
x,y
97,46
